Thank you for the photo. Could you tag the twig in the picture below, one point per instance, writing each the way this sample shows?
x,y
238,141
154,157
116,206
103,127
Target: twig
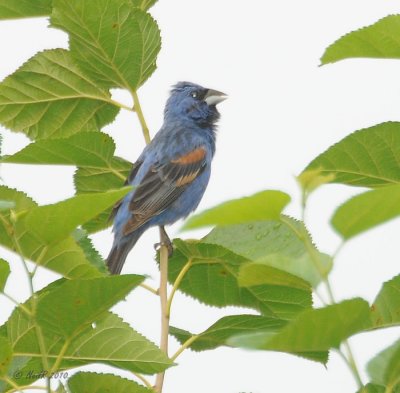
x,y
164,311
149,288
184,346
29,274
139,112
176,285
143,379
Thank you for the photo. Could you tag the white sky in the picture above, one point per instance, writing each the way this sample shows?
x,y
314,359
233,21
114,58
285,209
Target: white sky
x,y
283,110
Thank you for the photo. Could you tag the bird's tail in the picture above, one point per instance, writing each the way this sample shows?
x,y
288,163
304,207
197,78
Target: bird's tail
x,y
119,252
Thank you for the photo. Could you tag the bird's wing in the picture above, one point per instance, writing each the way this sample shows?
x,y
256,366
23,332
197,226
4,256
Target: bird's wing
x,y
162,185
128,181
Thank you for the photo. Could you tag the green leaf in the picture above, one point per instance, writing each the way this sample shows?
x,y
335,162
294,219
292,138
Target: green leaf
x,y
143,4
88,180
372,388
366,211
369,157
55,222
284,245
77,303
265,205
386,307
11,9
114,42
64,257
379,40
4,273
313,330
252,274
108,340
312,179
5,355
212,278
92,151
229,326
50,97
384,368
87,149
7,205
92,255
88,382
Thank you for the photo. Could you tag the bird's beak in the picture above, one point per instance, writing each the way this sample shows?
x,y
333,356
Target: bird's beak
x,y
214,97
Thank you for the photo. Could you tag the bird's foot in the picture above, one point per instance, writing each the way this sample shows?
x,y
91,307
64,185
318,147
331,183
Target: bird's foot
x,y
157,247
165,241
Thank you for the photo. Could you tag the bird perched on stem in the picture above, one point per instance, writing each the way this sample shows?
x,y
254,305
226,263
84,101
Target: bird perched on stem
x,y
170,176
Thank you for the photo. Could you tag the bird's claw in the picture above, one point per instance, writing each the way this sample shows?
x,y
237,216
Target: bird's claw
x,y
157,247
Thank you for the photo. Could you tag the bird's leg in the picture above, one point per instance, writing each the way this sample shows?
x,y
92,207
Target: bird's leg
x,y
164,241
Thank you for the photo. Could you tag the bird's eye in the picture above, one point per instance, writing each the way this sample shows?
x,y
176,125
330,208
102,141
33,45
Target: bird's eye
x,y
194,94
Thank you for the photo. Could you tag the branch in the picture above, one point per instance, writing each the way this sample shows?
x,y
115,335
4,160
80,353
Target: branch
x,y
139,112
164,310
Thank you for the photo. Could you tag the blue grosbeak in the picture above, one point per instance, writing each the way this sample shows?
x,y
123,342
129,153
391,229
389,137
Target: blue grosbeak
x,y
172,173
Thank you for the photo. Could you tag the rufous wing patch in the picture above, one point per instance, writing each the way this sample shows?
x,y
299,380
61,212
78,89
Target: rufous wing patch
x,y
194,156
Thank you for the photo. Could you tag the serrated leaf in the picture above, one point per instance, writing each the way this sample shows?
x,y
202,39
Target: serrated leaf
x,y
87,149
50,97
120,346
386,307
229,326
369,157
252,274
313,330
4,273
372,388
64,257
312,179
265,205
379,40
20,372
5,355
143,4
52,223
284,244
111,40
108,340
213,279
366,211
77,303
88,382
12,9
92,151
91,254
384,368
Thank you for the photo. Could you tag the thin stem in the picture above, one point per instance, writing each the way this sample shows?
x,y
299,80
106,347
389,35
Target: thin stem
x,y
21,388
17,303
38,329
60,355
349,359
184,346
119,104
352,364
177,282
139,112
164,312
149,288
8,380
329,290
143,379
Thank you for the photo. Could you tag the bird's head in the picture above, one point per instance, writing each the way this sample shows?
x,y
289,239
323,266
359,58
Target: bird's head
x,y
194,102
